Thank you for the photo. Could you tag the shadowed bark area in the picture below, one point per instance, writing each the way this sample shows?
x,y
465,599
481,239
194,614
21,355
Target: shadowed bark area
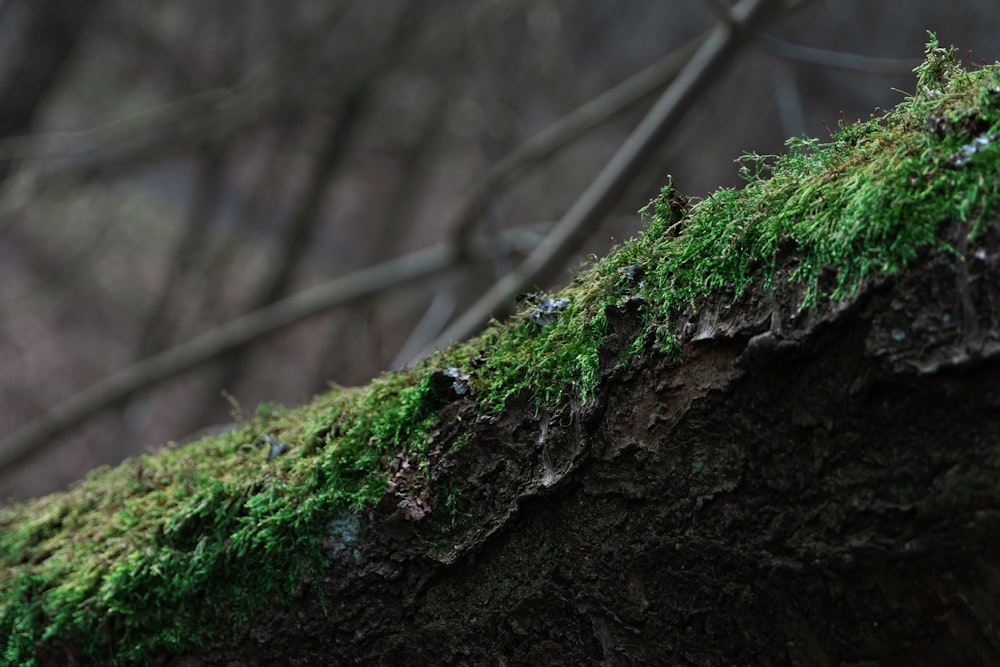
x,y
814,488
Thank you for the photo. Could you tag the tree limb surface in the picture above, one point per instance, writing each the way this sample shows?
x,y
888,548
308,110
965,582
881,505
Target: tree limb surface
x,y
807,488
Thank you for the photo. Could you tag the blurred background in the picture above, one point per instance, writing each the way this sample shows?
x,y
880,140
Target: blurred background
x,y
166,167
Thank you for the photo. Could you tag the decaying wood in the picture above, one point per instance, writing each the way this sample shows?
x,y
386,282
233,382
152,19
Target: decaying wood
x,y
807,488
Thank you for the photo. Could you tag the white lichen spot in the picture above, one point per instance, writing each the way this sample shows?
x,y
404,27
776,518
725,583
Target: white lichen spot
x,y
547,311
342,536
968,150
460,384
548,475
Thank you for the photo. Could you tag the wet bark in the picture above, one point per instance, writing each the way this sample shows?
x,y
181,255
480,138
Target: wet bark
x,y
803,488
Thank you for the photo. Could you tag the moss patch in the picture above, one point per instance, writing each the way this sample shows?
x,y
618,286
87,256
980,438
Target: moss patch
x,y
131,561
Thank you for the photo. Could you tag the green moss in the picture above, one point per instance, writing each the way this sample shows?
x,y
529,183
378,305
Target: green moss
x,y
213,524
133,559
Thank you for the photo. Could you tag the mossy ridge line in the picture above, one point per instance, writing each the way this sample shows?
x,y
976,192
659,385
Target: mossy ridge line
x,y
219,522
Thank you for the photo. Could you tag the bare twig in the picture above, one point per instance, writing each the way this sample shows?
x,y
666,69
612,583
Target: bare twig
x,y
837,59
208,115
160,323
340,291
430,325
533,151
415,166
720,45
155,331
306,214
251,215
216,115
788,100
45,36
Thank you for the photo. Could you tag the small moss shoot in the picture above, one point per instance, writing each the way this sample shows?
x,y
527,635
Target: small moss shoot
x,y
131,561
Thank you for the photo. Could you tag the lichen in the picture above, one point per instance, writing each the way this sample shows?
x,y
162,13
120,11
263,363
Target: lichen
x,y
131,561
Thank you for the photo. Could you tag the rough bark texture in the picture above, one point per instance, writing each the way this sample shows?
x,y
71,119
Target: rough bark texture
x,y
805,489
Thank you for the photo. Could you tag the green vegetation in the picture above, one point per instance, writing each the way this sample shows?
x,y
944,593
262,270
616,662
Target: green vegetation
x,y
133,558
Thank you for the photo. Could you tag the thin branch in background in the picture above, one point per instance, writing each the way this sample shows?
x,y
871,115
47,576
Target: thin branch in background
x,y
156,329
345,341
257,207
301,227
430,325
161,318
47,34
415,164
57,268
256,210
36,436
721,45
184,121
487,150
196,119
836,59
123,24
568,128
190,119
788,100
720,9
217,115
306,215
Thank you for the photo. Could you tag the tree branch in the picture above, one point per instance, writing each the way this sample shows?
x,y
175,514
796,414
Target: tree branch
x,y
566,129
721,44
836,59
216,115
342,290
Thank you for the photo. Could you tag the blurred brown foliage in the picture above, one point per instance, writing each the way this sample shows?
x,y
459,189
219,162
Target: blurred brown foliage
x,y
167,167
